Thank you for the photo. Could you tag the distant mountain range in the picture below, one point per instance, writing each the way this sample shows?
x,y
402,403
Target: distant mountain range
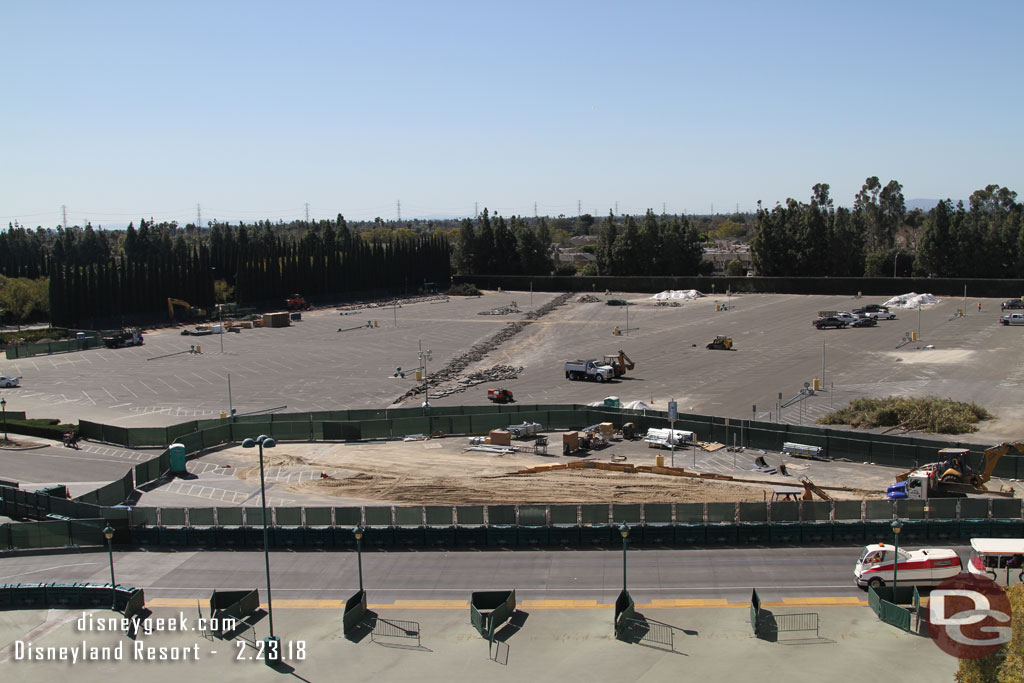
x,y
923,204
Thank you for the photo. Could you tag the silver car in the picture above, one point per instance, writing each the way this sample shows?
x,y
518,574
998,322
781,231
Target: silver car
x,y
8,382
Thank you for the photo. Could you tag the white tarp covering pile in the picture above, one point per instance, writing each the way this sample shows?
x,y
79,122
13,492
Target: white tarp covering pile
x,y
677,294
665,438
632,405
636,405
911,300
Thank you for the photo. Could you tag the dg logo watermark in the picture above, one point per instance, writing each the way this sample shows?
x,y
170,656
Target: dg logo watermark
x,y
969,616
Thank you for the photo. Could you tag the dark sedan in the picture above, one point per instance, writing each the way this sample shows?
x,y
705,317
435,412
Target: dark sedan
x,y
866,321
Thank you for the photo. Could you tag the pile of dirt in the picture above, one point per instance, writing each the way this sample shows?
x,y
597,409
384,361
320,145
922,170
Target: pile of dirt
x,y
451,371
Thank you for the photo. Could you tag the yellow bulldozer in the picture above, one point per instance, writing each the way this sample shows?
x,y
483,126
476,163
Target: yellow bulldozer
x,y
721,343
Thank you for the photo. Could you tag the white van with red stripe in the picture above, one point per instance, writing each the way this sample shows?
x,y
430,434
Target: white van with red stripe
x,y
926,567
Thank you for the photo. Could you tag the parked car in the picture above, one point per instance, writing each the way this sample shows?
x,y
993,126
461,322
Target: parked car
x,y
8,382
848,318
1013,303
876,312
864,321
829,321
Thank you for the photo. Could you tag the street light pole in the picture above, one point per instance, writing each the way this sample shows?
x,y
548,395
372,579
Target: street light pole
x,y
897,526
264,441
359,554
3,404
108,533
624,530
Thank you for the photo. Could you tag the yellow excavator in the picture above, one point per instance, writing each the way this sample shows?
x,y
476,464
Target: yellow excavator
x,y
951,473
190,312
953,468
619,363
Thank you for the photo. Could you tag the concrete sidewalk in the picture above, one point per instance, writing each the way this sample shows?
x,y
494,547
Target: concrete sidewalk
x,y
538,645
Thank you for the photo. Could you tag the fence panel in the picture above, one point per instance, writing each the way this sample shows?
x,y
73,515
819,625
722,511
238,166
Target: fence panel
x,y
973,508
720,512
628,513
815,510
409,516
878,509
200,516
501,514
289,516
172,516
378,515
229,516
440,515
1006,508
657,513
318,516
591,513
564,514
533,515
690,513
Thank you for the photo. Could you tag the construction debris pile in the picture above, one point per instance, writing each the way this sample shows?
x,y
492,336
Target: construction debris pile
x,y
388,303
501,310
498,373
476,353
587,299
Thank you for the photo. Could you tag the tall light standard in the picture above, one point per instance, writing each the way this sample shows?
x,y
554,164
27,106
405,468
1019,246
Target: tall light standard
x,y
108,533
895,258
896,525
624,530
359,554
424,357
3,405
264,441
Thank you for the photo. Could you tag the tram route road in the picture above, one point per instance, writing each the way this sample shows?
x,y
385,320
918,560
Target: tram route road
x,y
715,574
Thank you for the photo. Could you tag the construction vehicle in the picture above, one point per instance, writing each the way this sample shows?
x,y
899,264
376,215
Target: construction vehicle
x,y
127,336
190,312
810,488
619,363
588,369
952,475
296,302
721,343
500,395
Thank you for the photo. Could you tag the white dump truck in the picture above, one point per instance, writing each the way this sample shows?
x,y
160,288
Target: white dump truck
x,y
588,369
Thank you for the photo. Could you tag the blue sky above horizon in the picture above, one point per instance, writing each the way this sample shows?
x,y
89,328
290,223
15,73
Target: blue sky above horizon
x,y
253,109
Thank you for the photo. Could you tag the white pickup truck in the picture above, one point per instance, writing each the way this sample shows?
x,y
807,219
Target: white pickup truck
x,y
1012,319
588,369
927,567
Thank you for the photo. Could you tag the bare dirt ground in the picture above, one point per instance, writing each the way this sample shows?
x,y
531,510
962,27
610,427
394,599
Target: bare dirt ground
x,y
442,472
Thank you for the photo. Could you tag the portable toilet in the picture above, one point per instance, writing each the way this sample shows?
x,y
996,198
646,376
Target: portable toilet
x,y
177,458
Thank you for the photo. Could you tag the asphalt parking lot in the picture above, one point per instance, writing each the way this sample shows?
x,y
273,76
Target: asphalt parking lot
x,y
312,366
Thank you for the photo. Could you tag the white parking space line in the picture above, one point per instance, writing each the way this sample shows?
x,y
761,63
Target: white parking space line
x,y
169,385
112,397
89,397
190,385
134,395
149,387
198,376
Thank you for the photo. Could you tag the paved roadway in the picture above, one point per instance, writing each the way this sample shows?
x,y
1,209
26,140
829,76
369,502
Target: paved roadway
x,y
82,470
712,576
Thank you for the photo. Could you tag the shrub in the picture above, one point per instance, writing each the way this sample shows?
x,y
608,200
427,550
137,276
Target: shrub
x,y
464,289
928,414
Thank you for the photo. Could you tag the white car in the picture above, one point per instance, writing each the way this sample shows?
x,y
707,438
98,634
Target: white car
x,y
8,382
928,567
846,317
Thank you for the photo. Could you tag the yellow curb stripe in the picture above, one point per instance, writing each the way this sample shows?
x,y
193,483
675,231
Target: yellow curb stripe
x,y
430,604
683,604
707,603
824,601
563,604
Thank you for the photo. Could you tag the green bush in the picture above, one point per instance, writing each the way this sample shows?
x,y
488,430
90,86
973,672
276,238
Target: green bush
x,y
928,414
32,336
49,428
464,289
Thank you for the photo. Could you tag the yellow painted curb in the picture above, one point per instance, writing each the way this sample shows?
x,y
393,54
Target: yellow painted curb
x,y
174,602
685,604
427,604
824,601
563,604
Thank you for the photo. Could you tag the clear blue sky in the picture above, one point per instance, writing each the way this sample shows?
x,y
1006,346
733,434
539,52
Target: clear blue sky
x,y
253,109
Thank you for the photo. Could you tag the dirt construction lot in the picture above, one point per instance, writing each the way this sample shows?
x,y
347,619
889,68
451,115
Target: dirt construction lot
x,y
329,361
